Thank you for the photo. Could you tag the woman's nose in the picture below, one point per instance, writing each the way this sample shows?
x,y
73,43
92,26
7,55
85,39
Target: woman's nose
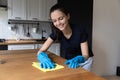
x,y
58,22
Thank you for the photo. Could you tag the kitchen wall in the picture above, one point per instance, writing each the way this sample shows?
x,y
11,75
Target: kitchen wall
x,y
6,33
80,13
106,38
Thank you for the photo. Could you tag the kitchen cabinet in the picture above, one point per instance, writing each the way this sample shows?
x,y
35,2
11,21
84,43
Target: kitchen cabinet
x,y
38,46
21,47
45,6
54,48
17,9
30,9
49,4
3,47
33,9
42,10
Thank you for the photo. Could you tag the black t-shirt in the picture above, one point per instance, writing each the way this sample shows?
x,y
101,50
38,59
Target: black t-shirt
x,y
71,47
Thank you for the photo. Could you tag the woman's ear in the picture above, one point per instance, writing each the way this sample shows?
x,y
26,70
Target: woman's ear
x,y
68,15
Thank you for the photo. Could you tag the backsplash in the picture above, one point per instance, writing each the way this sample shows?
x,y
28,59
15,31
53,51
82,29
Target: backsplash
x,y
22,31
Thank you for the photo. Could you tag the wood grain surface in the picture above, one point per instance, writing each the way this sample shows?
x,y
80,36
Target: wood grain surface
x,y
18,66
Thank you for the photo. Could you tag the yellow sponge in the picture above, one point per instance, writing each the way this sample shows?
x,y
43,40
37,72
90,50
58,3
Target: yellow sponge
x,y
37,65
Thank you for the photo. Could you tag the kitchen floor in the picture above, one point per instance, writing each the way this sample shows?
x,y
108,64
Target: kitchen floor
x,y
112,77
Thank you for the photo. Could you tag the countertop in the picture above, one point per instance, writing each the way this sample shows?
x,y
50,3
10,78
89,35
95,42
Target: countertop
x,y
18,66
22,41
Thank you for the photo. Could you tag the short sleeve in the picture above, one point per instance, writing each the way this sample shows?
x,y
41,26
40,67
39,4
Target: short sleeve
x,y
53,36
84,36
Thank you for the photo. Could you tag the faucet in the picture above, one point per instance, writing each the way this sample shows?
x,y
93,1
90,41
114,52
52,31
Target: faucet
x,y
43,31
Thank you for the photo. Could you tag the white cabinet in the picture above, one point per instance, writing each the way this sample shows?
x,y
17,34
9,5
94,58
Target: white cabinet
x,y
54,48
17,9
49,4
30,9
33,9
38,46
39,9
21,47
44,8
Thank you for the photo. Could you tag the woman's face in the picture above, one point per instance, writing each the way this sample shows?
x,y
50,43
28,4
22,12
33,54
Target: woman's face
x,y
59,19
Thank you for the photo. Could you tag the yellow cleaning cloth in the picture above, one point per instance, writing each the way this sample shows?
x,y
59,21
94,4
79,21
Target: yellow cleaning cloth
x,y
37,65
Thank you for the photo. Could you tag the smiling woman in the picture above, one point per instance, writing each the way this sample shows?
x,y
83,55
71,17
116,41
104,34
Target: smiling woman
x,y
72,38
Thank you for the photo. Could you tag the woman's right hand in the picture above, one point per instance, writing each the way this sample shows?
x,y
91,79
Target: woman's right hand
x,y
45,61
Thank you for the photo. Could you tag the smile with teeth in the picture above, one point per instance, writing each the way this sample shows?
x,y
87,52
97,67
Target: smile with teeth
x,y
61,26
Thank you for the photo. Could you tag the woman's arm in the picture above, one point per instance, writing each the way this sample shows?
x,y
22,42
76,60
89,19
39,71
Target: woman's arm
x,y
46,45
84,49
45,61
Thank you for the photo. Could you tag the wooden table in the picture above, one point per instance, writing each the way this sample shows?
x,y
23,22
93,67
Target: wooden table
x,y
18,66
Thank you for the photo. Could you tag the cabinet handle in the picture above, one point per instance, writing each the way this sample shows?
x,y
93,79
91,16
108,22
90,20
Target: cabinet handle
x,y
18,18
34,18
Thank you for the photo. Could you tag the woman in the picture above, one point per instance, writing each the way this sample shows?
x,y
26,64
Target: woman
x,y
72,38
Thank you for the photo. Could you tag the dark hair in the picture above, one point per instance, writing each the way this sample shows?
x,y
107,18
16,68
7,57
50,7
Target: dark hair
x,y
62,9
59,7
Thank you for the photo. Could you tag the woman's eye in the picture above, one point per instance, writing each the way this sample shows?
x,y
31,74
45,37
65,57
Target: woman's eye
x,y
61,18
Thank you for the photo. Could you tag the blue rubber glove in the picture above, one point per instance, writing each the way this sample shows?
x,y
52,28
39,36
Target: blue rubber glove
x,y
74,62
45,61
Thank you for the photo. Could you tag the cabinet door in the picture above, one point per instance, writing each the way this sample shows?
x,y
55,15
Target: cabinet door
x,y
32,9
21,47
49,4
44,8
17,9
38,46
